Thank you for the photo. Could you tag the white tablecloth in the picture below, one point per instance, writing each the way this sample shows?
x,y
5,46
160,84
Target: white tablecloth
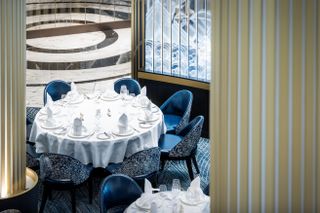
x,y
170,202
99,152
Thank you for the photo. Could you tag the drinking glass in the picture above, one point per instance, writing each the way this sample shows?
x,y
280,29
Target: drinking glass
x,y
176,186
123,90
98,117
163,188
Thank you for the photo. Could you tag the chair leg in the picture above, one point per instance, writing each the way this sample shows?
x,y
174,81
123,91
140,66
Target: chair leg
x,y
195,163
73,200
163,163
189,165
90,190
45,194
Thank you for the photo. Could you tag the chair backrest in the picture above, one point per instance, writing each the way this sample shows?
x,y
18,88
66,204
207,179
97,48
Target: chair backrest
x,y
206,190
118,190
57,166
55,89
141,164
191,135
132,85
180,104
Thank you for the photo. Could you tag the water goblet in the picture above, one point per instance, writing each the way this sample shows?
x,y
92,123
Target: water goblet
x,y
163,188
176,186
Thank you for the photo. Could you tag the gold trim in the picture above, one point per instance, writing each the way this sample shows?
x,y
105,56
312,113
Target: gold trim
x,y
173,80
32,175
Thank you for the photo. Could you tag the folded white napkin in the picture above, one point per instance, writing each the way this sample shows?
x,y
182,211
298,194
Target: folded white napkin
x,y
143,91
49,100
194,192
148,111
123,123
77,126
154,208
50,120
147,186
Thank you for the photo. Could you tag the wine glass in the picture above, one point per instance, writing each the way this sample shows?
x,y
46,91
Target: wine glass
x,y
163,188
98,117
176,186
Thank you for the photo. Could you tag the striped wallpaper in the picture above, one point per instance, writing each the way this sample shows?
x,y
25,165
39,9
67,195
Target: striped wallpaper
x,y
12,97
266,101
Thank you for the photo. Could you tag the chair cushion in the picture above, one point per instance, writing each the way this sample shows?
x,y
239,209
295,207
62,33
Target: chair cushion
x,y
171,122
112,167
167,142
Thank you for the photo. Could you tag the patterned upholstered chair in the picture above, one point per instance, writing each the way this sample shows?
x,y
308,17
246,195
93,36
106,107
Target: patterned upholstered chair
x,y
141,165
182,146
132,85
55,89
62,172
176,110
117,192
32,162
206,190
30,116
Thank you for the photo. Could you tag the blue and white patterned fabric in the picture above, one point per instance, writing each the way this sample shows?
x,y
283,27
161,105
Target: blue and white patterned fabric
x,y
141,163
63,167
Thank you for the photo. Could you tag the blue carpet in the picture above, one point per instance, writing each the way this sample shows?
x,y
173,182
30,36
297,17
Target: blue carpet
x,y
61,200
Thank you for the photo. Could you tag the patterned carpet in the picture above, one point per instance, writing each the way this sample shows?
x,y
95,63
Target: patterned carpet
x,y
61,201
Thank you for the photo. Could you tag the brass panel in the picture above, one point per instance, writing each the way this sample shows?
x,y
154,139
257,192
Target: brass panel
x,y
173,80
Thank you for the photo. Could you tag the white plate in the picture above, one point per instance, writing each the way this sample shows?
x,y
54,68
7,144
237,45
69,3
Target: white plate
x,y
55,110
56,125
61,131
103,136
77,101
143,118
130,131
105,98
192,202
85,133
145,125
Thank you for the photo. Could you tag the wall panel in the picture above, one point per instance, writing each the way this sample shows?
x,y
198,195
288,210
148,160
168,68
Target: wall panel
x,y
265,106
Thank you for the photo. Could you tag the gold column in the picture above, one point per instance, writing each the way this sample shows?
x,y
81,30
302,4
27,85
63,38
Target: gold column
x,y
12,97
265,106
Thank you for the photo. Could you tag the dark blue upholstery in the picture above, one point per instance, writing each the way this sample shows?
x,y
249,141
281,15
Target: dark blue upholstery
x,y
177,110
184,145
132,85
32,162
117,192
55,89
30,116
62,172
138,166
206,190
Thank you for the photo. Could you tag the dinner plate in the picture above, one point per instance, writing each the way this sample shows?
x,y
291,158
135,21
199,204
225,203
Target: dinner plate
x,y
145,125
55,125
55,110
191,202
103,136
79,100
143,118
85,133
130,131
61,131
108,98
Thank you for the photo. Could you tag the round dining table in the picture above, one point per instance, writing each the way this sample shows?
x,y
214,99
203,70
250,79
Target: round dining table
x,y
100,142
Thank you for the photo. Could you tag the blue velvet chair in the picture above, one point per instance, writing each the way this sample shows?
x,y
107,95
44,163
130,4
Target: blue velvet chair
x,y
132,85
182,146
55,89
141,165
62,172
176,110
32,162
117,192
